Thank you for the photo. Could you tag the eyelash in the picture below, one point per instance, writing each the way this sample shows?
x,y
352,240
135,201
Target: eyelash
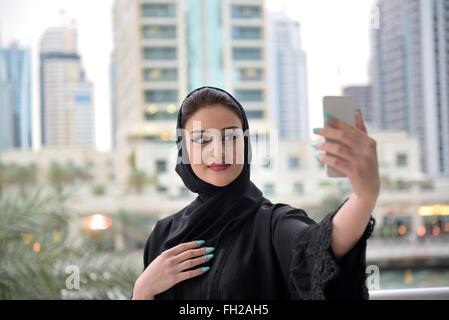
x,y
234,137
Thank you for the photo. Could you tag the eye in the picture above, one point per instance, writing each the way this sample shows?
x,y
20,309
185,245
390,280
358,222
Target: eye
x,y
201,139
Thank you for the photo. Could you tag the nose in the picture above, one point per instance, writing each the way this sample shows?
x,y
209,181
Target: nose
x,y
216,148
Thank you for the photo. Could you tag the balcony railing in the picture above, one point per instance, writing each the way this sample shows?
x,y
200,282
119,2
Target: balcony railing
x,y
411,294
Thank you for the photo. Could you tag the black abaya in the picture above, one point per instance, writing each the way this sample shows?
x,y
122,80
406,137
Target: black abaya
x,y
262,250
278,254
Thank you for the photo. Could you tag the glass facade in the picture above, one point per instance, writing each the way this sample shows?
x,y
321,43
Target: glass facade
x,y
15,98
214,34
194,43
205,57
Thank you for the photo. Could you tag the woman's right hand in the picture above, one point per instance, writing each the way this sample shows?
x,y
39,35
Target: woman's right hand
x,y
168,269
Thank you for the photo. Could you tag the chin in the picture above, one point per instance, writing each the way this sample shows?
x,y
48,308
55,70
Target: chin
x,y
219,182
219,178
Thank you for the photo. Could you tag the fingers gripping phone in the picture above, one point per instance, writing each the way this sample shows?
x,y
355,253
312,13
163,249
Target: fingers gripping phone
x,y
342,107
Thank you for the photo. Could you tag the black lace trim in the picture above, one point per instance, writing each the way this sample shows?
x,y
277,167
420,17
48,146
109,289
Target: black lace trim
x,y
316,256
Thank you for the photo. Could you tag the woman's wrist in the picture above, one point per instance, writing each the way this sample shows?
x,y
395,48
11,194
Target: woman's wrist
x,y
141,294
138,296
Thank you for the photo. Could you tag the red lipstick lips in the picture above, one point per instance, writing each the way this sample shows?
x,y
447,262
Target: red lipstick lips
x,y
218,167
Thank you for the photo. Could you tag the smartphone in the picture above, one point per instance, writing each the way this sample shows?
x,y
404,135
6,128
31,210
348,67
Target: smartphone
x,y
342,107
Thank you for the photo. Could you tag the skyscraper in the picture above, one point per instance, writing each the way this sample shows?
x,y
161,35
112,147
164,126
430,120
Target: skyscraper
x,y
288,78
113,103
164,50
363,101
67,111
410,75
15,98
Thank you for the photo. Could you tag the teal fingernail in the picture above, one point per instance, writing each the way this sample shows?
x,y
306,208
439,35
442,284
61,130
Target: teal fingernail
x,y
328,116
314,144
210,249
205,269
209,256
316,130
200,242
318,155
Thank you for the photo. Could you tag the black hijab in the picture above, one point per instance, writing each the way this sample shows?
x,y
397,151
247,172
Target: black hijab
x,y
217,210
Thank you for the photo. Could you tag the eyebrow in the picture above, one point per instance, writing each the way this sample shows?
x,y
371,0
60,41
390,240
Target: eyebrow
x,y
232,127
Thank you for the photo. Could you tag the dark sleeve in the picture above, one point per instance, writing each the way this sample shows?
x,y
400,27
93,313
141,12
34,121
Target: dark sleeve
x,y
308,264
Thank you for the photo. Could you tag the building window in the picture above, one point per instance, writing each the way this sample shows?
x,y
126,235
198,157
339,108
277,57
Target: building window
x,y
111,177
184,192
245,12
247,53
246,33
159,115
249,95
293,162
160,74
401,160
159,32
110,164
161,166
254,114
90,164
248,74
269,189
158,10
266,163
299,187
154,96
83,99
159,53
320,164
70,164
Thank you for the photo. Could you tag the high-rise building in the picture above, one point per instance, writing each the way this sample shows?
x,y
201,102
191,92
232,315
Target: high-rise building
x,y
113,103
84,115
167,48
67,110
363,101
15,97
288,77
410,75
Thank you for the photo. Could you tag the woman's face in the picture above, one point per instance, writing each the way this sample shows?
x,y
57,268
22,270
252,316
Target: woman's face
x,y
215,144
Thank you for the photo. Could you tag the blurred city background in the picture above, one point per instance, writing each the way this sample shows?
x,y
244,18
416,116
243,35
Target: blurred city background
x,y
89,92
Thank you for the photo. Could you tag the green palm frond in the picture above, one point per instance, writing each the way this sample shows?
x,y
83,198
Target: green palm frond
x,y
36,247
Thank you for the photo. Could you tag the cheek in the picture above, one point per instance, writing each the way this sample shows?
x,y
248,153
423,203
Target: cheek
x,y
194,150
239,151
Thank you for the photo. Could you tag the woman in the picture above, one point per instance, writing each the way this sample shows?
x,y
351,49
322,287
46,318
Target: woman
x,y
233,243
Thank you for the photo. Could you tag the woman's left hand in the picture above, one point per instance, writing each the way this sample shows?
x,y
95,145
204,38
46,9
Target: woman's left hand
x,y
355,155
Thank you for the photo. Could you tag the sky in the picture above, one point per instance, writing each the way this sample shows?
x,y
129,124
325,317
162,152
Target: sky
x,y
334,35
